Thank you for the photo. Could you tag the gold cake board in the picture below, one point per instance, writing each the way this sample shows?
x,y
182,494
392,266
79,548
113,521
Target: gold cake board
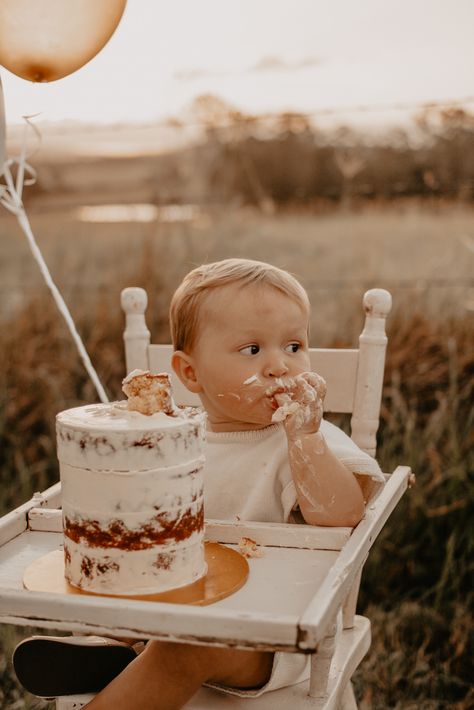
x,y
227,572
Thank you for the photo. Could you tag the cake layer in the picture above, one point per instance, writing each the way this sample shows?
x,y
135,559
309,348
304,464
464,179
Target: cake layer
x,y
113,492
111,438
133,531
119,572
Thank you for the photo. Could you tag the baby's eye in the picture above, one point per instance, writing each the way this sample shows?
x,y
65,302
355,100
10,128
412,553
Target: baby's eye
x,y
250,350
292,347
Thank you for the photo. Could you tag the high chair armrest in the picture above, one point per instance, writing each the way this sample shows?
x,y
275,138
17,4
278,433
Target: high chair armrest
x,y
328,599
16,522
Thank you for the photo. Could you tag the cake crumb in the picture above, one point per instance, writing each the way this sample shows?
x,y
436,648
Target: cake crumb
x,y
249,548
148,393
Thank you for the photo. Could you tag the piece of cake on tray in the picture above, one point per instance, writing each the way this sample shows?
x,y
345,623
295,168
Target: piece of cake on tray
x,y
132,492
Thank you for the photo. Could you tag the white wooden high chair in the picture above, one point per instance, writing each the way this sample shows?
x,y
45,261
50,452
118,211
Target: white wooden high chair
x,y
302,588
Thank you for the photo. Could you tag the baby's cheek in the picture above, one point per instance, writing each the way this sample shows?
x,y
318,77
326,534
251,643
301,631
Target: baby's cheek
x,y
303,364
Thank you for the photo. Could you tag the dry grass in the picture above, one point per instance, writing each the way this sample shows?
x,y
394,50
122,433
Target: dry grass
x,y
421,604
415,586
422,253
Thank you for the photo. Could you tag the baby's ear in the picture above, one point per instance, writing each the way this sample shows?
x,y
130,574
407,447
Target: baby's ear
x,y
183,365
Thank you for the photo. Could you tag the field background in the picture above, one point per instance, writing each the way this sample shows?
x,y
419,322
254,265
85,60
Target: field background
x,y
418,246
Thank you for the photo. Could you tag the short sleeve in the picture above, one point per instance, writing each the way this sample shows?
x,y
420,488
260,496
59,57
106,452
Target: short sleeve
x,y
348,453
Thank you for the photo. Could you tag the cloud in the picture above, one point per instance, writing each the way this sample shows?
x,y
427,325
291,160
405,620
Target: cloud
x,y
266,64
193,74
276,64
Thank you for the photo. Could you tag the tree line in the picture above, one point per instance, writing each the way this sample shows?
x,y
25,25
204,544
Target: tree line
x,y
289,159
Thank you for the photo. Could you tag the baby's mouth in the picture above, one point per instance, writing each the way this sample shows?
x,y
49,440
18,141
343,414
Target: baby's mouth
x,y
255,392
273,399
277,394
281,399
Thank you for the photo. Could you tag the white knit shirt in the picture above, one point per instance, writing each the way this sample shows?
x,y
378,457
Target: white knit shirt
x,y
247,474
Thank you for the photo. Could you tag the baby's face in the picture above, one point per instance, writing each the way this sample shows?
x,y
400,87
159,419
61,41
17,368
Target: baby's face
x,y
248,338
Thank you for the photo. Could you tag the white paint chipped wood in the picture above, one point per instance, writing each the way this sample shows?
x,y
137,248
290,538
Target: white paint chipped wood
x,y
225,531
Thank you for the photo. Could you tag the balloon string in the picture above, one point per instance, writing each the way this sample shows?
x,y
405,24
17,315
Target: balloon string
x,y
10,197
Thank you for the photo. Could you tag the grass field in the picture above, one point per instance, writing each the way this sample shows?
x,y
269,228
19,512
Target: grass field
x,y
415,586
422,253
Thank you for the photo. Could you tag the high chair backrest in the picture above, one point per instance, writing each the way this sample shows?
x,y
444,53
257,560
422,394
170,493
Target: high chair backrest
x,y
354,376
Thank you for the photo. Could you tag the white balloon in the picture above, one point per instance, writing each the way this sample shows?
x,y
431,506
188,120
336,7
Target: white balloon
x,y
3,131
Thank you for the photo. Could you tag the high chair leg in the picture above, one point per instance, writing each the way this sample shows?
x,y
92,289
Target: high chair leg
x,y
321,663
350,604
348,700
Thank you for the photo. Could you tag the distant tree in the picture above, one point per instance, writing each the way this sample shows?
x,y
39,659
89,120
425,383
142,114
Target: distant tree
x,y
286,159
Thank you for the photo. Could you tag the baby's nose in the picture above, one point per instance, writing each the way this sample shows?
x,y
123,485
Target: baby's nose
x,y
276,368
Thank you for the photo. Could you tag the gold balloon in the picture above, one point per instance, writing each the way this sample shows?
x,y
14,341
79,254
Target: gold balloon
x,y
45,40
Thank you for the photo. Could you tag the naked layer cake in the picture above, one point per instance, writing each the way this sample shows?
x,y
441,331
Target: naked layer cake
x,y
133,515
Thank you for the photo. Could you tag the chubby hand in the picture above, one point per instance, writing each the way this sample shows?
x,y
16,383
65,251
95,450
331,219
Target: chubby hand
x,y
298,402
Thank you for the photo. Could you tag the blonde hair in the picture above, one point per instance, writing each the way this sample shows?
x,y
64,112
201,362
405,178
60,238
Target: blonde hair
x,y
190,294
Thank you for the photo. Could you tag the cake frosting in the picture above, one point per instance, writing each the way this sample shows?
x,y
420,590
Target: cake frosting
x,y
132,493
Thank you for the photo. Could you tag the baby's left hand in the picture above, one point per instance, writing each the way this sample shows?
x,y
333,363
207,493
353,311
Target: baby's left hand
x,y
298,402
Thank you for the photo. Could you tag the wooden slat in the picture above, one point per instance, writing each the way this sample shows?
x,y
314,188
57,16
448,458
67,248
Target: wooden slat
x,y
266,534
45,520
13,524
337,366
152,620
329,597
52,496
16,522
278,534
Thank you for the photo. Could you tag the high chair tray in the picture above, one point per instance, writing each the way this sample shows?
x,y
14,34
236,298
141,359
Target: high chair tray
x,y
292,594
227,571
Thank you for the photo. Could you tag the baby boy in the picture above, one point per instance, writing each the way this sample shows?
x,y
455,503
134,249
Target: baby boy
x,y
240,336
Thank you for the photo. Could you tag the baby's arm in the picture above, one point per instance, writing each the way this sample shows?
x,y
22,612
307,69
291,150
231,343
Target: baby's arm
x,y
328,493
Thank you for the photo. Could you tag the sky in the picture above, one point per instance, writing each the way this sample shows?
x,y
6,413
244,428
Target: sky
x,y
263,56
